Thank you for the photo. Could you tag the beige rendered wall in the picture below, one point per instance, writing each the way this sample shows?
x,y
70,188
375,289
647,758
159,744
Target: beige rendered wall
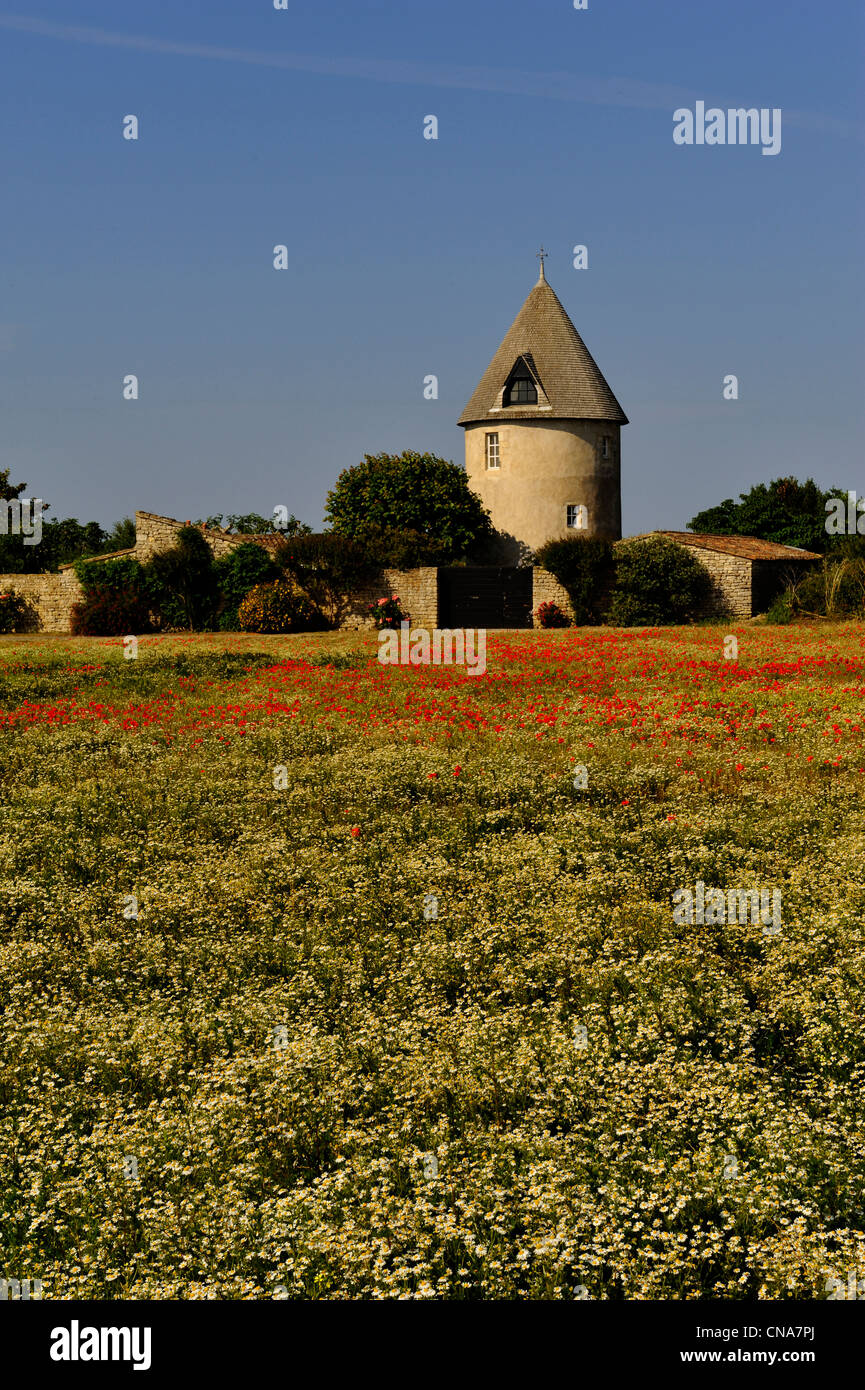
x,y
544,467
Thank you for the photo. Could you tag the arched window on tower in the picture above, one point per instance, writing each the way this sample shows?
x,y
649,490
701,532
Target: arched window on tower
x,y
520,388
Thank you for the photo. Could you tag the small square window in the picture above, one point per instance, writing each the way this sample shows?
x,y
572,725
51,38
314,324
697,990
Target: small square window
x,y
578,517
492,451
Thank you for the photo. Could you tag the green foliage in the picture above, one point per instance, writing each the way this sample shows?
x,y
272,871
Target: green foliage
x,y
410,492
780,611
63,541
583,565
254,524
786,511
401,550
329,567
236,574
9,491
121,536
120,597
657,581
125,574
175,588
187,573
280,606
15,556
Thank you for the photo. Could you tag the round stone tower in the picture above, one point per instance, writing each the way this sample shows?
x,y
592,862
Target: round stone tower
x,y
542,433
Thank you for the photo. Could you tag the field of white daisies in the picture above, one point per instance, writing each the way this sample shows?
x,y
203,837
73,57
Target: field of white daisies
x,y
322,979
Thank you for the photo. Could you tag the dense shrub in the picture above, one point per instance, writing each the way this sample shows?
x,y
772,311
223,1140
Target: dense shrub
x,y
13,612
119,598
329,568
411,492
551,615
400,550
110,613
123,575
583,565
280,606
236,575
657,581
780,610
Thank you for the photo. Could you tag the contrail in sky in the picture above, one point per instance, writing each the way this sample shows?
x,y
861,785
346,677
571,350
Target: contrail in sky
x,y
557,86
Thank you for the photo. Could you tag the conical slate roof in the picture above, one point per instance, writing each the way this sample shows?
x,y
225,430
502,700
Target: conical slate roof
x,y
573,387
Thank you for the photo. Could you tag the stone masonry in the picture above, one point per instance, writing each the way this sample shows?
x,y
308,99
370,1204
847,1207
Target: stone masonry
x,y
745,575
417,590
49,598
546,588
730,595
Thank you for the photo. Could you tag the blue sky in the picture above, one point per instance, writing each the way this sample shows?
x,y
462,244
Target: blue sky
x,y
409,257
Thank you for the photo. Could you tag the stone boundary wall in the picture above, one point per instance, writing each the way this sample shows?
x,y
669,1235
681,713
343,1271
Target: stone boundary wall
x,y
418,594
49,598
546,588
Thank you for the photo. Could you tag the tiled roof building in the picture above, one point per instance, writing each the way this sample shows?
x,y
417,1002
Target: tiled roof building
x,y
747,572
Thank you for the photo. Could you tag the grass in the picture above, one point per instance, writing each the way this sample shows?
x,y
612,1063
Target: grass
x,y
404,1013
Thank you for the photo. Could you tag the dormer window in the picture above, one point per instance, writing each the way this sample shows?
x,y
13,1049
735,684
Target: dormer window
x,y
520,388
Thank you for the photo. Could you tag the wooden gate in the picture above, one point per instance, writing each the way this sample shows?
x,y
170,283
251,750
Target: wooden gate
x,y
485,597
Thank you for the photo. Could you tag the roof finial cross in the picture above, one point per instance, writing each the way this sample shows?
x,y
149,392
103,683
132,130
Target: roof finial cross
x,y
542,254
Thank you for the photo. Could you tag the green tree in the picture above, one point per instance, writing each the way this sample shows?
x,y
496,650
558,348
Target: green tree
x,y
785,511
329,568
254,524
420,493
15,556
120,537
187,572
9,491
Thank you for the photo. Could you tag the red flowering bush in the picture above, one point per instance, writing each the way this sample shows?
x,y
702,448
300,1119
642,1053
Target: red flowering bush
x,y
110,613
551,615
13,611
388,613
